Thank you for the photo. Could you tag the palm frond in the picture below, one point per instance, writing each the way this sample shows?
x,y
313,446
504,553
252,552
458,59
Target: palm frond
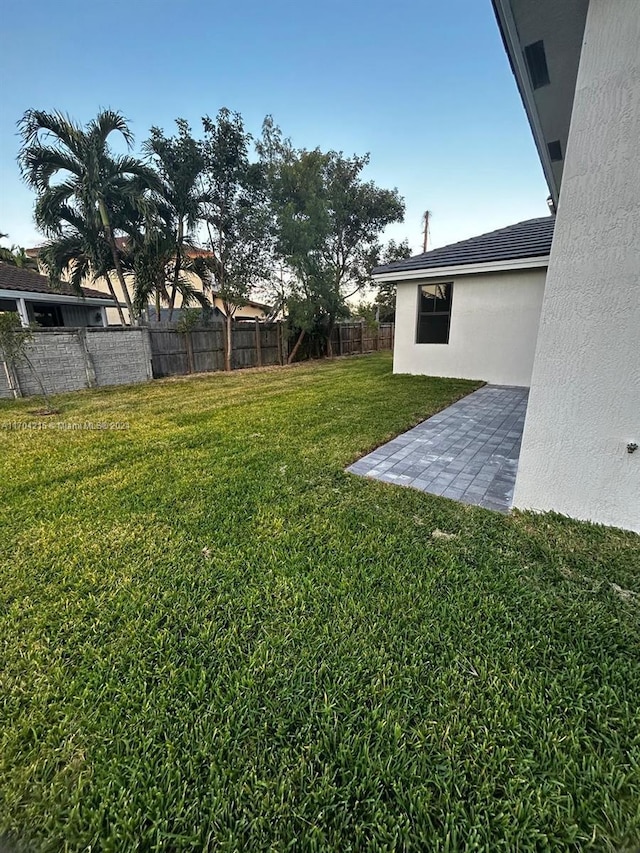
x,y
190,294
67,255
109,121
126,166
52,206
52,124
39,163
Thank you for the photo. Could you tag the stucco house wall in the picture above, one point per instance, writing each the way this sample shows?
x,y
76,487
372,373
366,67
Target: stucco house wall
x,y
493,331
584,405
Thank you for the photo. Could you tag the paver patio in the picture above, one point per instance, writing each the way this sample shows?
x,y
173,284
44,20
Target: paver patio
x,y
468,452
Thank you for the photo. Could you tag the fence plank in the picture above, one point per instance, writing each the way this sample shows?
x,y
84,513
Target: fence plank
x,y
258,346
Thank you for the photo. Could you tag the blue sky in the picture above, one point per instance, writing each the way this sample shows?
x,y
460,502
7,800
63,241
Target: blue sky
x,y
424,86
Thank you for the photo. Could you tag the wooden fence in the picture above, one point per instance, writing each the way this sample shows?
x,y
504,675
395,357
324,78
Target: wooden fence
x,y
253,344
352,338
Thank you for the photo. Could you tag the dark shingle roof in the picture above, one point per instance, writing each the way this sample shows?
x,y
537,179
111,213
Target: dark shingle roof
x,y
28,281
530,239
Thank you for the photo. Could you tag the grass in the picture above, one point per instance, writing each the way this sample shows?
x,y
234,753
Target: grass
x,y
212,638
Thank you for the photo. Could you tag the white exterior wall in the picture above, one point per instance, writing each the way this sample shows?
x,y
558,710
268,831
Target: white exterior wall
x,y
494,325
584,405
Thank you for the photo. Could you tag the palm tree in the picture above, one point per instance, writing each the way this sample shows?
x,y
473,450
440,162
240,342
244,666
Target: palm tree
x,y
16,256
93,182
180,165
150,255
82,252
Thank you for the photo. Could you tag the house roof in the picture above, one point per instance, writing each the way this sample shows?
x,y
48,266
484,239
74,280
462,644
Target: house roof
x,y
530,239
27,281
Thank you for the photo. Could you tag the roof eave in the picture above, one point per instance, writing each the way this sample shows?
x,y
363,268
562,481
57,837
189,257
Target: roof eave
x,y
539,262
32,295
509,32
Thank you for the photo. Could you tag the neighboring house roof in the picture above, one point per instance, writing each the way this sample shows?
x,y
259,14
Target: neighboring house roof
x,y
246,303
121,242
530,239
27,281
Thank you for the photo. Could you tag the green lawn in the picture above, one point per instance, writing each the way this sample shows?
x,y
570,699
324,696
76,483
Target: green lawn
x,y
327,675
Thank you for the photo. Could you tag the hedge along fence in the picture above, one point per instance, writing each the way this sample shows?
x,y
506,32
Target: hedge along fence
x,y
70,359
254,343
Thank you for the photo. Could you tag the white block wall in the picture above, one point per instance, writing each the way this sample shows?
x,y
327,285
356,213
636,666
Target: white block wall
x,y
494,325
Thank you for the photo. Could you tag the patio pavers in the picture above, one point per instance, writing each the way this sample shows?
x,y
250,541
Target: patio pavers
x,y
468,452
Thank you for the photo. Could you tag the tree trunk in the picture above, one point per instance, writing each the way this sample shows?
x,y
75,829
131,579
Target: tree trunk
x,y
158,309
111,240
12,380
189,345
116,300
229,343
329,336
258,343
49,408
294,351
176,269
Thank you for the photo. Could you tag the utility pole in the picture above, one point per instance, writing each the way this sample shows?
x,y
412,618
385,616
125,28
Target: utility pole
x,y
426,218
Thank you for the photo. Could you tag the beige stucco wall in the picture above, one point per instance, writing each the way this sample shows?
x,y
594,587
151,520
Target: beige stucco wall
x,y
584,405
246,311
494,324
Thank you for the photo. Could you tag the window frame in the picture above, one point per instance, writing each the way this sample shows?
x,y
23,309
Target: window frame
x,y
420,314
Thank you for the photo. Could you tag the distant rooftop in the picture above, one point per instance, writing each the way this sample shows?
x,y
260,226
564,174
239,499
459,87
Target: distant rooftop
x,y
121,243
530,239
27,281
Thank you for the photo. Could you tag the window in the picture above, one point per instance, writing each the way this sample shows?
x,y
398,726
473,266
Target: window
x,y
434,313
537,64
47,315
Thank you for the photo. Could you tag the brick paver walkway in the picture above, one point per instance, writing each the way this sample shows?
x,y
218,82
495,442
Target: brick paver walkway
x,y
468,452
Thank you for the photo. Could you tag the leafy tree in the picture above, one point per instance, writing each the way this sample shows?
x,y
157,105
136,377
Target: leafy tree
x,y
367,312
329,225
14,340
385,301
236,215
73,168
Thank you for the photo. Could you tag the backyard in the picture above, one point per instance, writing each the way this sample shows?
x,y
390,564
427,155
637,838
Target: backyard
x,y
212,637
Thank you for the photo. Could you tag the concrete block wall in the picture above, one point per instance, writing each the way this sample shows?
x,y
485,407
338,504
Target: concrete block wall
x,y
120,356
57,359
4,385
73,359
